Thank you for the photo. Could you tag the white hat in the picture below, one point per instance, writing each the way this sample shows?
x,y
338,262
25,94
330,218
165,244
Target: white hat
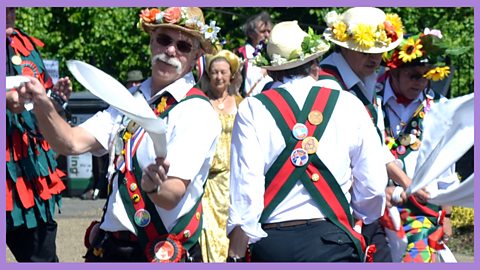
x,y
289,47
364,29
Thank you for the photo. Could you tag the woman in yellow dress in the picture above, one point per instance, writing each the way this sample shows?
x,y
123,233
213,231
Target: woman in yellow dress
x,y
224,80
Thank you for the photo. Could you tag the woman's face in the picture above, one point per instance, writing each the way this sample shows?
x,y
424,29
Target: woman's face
x,y
220,74
409,81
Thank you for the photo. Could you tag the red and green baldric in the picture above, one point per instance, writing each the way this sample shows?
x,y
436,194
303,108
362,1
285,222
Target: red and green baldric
x,y
298,127
159,244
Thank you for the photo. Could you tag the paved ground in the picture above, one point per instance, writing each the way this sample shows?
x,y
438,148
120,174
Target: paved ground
x,y
76,216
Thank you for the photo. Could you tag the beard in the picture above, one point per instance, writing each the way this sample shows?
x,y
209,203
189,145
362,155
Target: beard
x,y
173,61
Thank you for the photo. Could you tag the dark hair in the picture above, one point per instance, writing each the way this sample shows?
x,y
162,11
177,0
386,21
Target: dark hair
x,y
303,70
250,25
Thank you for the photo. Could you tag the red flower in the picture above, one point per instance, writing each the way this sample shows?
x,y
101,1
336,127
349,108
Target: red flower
x,y
172,15
148,15
390,30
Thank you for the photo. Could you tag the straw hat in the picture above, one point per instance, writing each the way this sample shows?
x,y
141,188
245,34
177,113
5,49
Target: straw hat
x,y
364,29
289,47
232,59
187,19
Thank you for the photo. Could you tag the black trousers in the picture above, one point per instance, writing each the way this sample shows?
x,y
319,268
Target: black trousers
x,y
316,242
36,244
375,234
116,250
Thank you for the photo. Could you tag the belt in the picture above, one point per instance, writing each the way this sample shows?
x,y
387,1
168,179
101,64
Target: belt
x,y
124,236
291,223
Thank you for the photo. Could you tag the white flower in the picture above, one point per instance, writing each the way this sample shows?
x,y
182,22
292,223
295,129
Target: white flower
x,y
433,32
159,17
277,60
331,18
301,55
210,31
194,21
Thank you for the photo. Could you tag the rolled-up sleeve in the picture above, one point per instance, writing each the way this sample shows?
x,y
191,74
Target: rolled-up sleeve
x,y
369,172
247,175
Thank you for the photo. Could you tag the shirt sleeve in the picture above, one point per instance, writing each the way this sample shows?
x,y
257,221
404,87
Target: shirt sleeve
x,y
247,181
102,126
368,169
194,131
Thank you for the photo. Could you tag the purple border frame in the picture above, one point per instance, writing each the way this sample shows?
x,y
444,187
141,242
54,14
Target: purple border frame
x,y
230,3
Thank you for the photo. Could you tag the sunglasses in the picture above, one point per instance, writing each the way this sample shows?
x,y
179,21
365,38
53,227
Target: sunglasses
x,y
182,45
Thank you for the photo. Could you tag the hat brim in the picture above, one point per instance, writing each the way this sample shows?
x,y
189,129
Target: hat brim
x,y
205,44
295,63
351,45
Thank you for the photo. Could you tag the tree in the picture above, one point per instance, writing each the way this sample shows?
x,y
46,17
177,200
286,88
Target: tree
x,y
110,39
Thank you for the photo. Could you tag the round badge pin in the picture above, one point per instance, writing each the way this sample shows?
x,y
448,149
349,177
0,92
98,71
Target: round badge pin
x,y
16,60
310,144
299,157
142,218
315,177
164,251
401,149
415,146
405,140
133,187
300,131
414,124
315,117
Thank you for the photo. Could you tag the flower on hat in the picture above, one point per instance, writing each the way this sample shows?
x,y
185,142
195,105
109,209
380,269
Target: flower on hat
x,y
340,31
210,31
424,48
179,16
438,73
410,50
364,35
378,32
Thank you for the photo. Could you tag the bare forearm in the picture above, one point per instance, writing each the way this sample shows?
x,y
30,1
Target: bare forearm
x,y
398,175
238,243
170,193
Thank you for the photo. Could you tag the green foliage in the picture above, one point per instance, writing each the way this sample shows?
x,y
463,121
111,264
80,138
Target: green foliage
x,y
110,39
462,218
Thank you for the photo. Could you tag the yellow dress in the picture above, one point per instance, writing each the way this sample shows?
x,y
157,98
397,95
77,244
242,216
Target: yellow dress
x,y
216,200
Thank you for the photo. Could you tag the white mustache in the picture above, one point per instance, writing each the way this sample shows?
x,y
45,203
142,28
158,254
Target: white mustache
x,y
169,60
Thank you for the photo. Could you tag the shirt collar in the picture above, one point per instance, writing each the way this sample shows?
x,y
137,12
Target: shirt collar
x,y
389,94
178,89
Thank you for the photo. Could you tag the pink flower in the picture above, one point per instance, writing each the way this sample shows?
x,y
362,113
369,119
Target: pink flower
x,y
172,15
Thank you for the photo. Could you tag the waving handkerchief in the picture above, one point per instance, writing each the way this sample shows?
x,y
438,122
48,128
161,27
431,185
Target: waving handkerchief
x,y
114,93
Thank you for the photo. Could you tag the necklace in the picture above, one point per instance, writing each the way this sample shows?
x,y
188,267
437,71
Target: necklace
x,y
220,103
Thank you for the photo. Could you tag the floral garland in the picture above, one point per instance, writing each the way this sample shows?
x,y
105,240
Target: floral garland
x,y
365,35
311,44
427,47
180,16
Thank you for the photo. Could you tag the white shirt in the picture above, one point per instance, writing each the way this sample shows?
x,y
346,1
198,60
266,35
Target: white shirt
x,y
254,81
192,131
397,113
349,148
367,86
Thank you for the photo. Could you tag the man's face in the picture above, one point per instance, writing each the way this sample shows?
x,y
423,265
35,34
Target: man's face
x,y
262,32
363,64
173,54
409,81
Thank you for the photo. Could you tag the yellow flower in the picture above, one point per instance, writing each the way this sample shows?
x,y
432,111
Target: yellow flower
x,y
395,20
438,73
340,31
364,36
410,50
